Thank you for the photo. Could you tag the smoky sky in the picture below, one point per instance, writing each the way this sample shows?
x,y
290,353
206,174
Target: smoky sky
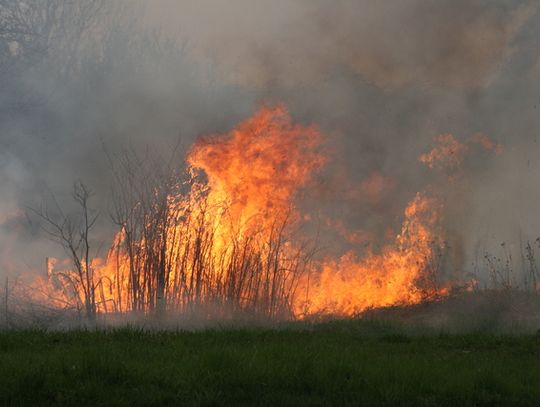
x,y
381,79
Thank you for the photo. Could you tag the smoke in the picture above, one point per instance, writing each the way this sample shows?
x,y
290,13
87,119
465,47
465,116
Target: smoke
x,y
448,44
382,79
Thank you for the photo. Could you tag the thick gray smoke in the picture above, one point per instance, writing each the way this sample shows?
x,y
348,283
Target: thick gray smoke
x,y
382,79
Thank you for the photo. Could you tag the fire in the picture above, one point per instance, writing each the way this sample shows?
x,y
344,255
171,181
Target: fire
x,y
486,143
258,168
235,238
449,153
350,285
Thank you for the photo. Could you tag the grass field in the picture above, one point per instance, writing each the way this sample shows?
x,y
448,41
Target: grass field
x,y
336,363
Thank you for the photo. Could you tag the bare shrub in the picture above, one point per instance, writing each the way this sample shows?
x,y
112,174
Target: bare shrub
x,y
73,234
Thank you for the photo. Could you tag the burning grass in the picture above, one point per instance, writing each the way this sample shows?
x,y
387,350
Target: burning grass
x,y
350,362
229,231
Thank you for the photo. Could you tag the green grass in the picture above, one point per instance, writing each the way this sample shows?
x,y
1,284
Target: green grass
x,y
337,363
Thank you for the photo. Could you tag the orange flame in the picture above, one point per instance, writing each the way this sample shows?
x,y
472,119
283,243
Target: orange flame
x,y
258,167
448,154
233,237
350,285
487,144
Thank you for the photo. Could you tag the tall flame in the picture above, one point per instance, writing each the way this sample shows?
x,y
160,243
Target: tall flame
x,y
395,276
234,237
257,169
